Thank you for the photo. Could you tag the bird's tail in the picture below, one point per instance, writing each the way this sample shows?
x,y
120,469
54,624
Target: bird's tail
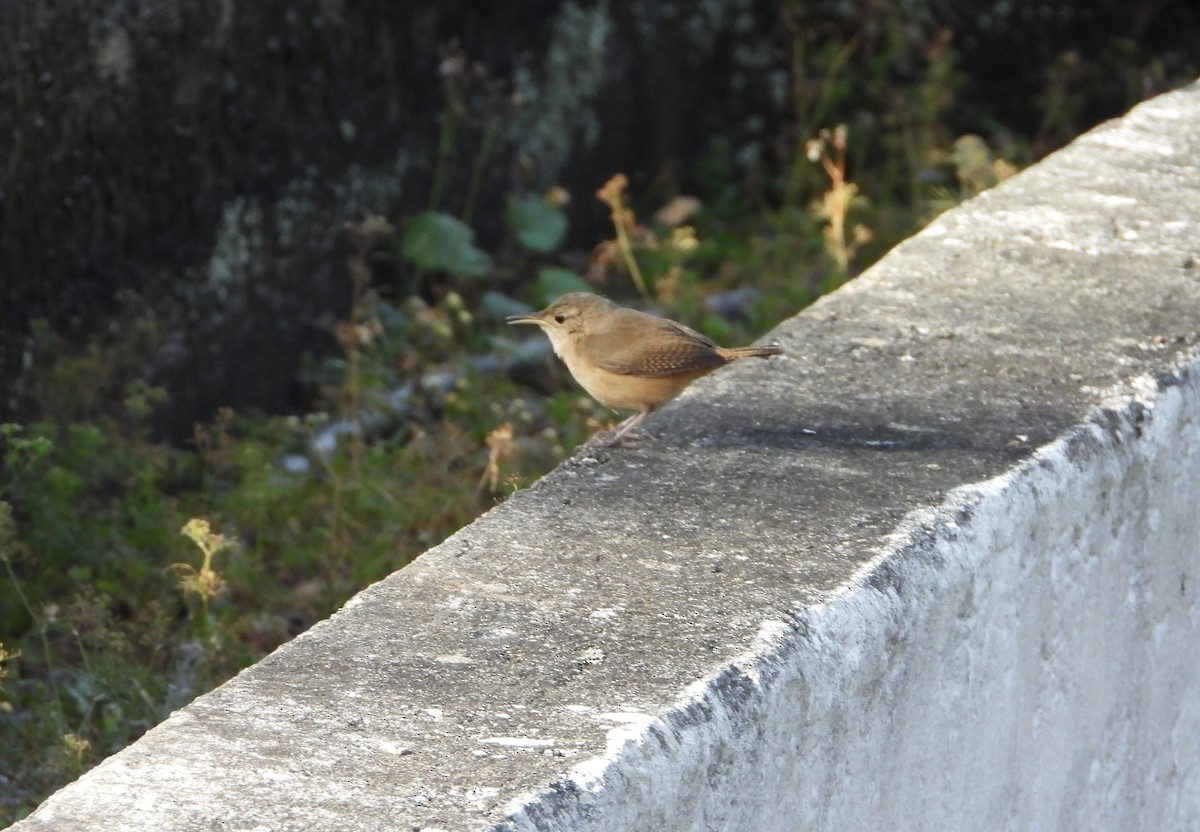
x,y
732,353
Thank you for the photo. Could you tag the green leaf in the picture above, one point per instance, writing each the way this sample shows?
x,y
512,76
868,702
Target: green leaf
x,y
442,242
499,306
553,282
537,224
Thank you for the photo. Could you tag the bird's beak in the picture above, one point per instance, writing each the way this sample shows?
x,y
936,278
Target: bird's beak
x,y
524,319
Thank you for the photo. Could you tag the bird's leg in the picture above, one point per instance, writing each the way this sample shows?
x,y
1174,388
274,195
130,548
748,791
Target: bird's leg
x,y
623,431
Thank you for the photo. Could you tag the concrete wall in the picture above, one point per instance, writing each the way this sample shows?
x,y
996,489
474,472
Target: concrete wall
x,y
937,570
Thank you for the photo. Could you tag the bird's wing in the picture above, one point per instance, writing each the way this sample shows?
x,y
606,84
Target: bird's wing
x,y
674,348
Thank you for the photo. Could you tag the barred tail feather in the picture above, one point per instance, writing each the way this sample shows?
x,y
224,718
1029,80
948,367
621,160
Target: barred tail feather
x,y
732,353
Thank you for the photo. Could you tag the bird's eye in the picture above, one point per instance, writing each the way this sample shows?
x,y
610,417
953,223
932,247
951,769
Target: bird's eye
x,y
559,318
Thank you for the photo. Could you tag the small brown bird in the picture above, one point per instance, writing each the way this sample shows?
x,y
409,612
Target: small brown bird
x,y
626,359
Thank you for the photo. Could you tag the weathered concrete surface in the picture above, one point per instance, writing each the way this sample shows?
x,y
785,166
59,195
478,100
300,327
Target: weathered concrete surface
x,y
967,600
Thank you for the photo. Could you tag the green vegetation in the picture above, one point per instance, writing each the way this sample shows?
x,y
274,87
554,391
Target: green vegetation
x,y
137,575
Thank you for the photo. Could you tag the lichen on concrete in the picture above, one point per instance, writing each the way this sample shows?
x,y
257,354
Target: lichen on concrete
x,y
554,114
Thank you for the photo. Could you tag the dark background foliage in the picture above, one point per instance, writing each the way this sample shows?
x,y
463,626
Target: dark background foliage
x,y
132,128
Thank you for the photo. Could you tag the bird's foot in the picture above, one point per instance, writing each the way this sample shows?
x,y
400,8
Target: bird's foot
x,y
622,434
615,439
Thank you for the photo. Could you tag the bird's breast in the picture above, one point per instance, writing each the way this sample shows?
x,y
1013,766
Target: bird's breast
x,y
622,391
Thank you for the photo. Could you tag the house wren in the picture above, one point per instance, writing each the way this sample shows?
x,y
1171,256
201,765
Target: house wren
x,y
626,359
